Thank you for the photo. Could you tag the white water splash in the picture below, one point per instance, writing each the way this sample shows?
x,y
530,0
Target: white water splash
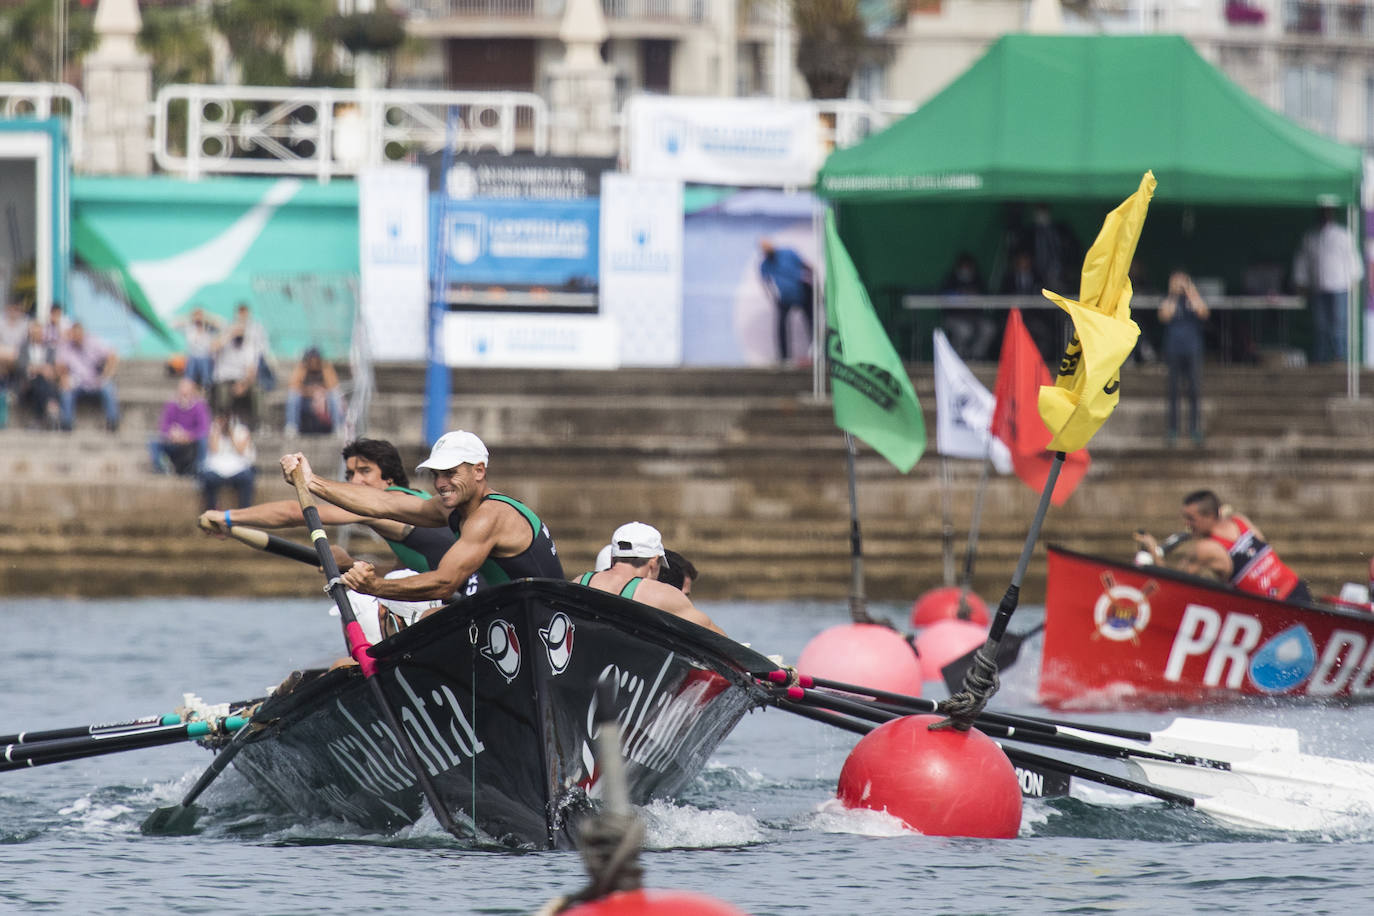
x,y
673,826
833,817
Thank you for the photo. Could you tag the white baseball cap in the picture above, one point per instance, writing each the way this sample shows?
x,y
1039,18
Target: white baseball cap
x,y
603,559
455,448
637,540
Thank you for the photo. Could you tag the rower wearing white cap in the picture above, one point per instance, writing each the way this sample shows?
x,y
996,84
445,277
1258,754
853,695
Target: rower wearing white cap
x,y
636,556
498,536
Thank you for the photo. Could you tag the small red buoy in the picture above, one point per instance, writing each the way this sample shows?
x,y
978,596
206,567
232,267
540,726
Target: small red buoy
x,y
941,783
944,641
948,602
866,654
646,902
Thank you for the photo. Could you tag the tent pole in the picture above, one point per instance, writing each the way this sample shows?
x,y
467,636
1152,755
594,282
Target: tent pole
x,y
819,366
1353,313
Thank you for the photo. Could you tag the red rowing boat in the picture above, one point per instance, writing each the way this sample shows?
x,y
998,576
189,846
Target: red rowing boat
x,y
1118,635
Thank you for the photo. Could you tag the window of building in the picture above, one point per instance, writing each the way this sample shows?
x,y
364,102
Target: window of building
x,y
1309,96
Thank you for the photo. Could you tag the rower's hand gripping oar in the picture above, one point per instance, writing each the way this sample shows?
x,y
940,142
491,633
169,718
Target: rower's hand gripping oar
x,y
358,646
981,682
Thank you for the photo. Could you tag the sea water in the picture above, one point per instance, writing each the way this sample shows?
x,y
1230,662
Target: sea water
x,y
758,829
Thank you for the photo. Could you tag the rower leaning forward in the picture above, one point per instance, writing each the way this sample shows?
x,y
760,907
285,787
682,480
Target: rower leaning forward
x,y
498,537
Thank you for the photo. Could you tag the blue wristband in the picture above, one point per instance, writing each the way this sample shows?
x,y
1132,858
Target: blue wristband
x,y
227,522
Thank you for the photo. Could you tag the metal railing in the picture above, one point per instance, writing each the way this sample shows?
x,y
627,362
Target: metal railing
x,y
470,9
655,10
44,100
1329,18
202,129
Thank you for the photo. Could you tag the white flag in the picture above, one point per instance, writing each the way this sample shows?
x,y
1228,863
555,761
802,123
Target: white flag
x,y
963,411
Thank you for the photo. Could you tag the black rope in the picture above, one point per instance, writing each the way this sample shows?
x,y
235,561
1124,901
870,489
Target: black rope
x,y
980,683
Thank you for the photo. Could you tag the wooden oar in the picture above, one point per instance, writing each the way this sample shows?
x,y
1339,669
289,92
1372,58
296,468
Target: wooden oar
x,y
357,647
39,753
180,819
269,543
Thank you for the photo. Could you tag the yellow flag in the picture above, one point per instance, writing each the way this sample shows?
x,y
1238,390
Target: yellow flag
x,y
1089,383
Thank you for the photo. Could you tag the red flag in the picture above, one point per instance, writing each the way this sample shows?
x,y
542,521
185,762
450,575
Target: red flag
x,y
1016,416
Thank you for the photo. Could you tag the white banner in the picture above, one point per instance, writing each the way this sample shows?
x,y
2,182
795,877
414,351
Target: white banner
x,y
641,267
748,142
963,411
523,341
393,235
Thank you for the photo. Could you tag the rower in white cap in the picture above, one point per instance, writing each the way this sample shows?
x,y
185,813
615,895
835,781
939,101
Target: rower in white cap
x,y
498,536
637,554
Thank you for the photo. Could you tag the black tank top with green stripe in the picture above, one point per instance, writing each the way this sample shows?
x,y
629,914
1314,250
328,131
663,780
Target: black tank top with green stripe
x,y
627,592
539,560
423,548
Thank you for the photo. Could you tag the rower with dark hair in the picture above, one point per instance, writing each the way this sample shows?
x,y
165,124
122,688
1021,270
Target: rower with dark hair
x,y
637,561
1228,545
373,463
678,572
497,536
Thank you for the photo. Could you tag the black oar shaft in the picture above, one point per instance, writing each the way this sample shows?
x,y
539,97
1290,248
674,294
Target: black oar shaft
x,y
1017,756
78,731
358,646
18,756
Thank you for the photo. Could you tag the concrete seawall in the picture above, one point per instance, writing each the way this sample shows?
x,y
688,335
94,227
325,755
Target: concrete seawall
x,y
742,470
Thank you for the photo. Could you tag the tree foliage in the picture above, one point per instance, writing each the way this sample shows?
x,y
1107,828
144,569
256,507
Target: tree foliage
x,y
28,45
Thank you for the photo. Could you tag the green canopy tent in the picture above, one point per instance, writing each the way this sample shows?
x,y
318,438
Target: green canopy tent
x,y
1074,121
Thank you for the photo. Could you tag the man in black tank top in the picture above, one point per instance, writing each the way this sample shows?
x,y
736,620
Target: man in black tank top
x,y
370,463
497,536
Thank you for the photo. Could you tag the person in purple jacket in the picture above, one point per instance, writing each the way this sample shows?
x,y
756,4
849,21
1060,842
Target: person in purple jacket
x,y
181,432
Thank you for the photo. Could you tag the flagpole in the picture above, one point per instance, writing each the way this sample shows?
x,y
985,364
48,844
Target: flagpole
x,y
980,681
946,523
976,521
858,604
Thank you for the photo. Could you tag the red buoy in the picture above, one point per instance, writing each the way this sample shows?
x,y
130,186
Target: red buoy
x,y
941,783
944,641
647,902
949,602
863,653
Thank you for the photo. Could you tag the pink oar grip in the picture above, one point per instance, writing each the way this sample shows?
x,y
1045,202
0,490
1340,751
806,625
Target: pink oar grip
x,y
358,646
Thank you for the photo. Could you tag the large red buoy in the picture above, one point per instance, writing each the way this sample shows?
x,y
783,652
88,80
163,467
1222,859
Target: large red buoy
x,y
866,654
942,783
949,602
647,902
944,641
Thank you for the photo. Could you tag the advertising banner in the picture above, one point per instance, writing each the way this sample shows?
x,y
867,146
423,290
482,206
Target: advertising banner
x,y
518,176
531,248
641,267
531,341
393,237
744,142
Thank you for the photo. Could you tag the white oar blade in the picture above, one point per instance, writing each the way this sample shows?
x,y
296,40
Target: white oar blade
x,y
1350,777
1259,803
1223,740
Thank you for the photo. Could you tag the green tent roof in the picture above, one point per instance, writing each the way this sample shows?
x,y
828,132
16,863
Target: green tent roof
x,y
1045,117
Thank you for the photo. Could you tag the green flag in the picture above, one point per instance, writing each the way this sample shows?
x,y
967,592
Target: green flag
x,y
873,396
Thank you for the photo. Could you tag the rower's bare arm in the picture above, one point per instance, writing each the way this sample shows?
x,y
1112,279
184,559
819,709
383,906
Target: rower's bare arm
x,y
667,598
367,501
463,559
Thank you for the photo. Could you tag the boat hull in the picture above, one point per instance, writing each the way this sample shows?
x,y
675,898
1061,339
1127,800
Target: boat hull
x,y
497,694
1118,635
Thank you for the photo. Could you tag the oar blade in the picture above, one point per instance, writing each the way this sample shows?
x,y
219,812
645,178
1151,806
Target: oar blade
x,y
1247,811
174,820
1213,738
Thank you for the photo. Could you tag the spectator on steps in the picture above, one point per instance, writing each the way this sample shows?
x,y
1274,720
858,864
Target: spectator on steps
x,y
182,431
235,389
87,367
313,405
36,378
200,330
228,461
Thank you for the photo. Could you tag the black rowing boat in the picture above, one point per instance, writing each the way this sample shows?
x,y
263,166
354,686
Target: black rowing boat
x,y
497,693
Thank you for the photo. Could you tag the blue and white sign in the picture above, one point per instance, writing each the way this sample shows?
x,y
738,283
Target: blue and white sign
x,y
744,142
641,267
521,242
531,341
393,237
